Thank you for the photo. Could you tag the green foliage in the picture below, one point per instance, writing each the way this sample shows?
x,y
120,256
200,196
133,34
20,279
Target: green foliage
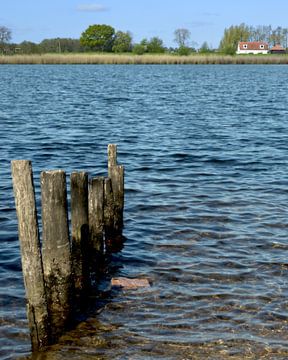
x,y
152,46
122,42
139,49
184,51
155,46
60,45
28,47
205,49
69,45
49,46
98,37
232,36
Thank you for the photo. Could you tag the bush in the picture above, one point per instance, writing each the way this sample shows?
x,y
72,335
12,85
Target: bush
x,y
184,51
155,46
139,49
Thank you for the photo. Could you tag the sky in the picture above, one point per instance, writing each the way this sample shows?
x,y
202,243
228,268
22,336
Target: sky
x,y
35,20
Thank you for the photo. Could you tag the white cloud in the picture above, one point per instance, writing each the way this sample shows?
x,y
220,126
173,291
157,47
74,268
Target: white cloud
x,y
91,7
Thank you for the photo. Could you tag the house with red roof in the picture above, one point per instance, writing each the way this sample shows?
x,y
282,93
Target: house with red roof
x,y
252,47
277,49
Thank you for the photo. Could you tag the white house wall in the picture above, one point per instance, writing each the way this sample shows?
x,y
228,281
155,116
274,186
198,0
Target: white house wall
x,y
251,52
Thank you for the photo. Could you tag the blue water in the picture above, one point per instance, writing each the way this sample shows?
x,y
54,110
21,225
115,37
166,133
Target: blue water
x,y
205,150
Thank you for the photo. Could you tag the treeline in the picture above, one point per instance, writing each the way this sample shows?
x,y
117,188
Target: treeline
x,y
67,45
57,45
243,32
104,38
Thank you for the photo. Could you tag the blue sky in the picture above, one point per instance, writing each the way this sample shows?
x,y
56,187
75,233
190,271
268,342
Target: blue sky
x,y
35,20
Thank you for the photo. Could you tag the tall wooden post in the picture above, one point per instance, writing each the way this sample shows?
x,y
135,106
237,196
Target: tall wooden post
x,y
116,173
56,249
108,214
80,229
112,155
96,223
37,312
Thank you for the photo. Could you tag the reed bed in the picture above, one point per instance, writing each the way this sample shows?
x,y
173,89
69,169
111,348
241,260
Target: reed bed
x,y
92,58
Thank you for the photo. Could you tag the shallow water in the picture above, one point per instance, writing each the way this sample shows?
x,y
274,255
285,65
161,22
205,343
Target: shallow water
x,y
205,153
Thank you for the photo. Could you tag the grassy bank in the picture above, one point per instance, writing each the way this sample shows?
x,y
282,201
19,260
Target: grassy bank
x,y
90,58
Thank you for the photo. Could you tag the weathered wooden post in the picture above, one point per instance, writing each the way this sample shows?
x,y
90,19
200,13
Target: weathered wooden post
x,y
80,229
108,214
56,249
117,179
112,155
37,312
96,223
116,174
50,277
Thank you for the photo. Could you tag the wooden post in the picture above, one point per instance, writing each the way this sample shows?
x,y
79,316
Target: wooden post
x,y
112,155
96,216
116,174
108,214
56,249
80,228
37,312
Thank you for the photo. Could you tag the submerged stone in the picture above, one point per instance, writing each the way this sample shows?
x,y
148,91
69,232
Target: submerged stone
x,y
127,283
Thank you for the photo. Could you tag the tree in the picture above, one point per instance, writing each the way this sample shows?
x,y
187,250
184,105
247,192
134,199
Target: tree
x,y
260,33
98,37
285,36
182,37
28,47
155,46
50,46
5,36
141,48
184,51
122,42
204,49
277,36
60,45
232,36
138,49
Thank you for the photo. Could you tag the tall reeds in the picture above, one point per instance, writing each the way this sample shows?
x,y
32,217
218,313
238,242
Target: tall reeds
x,y
92,58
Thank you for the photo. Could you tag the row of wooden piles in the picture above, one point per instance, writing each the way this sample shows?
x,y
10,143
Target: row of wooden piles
x,y
62,266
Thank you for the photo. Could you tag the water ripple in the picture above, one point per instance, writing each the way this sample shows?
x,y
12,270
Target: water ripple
x,y
206,204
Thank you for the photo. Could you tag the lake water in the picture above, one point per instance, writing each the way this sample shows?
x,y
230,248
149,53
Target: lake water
x,y
205,150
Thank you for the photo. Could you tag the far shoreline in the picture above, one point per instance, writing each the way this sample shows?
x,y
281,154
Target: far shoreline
x,y
147,59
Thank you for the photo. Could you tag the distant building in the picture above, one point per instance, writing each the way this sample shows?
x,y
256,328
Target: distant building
x,y
277,49
252,47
